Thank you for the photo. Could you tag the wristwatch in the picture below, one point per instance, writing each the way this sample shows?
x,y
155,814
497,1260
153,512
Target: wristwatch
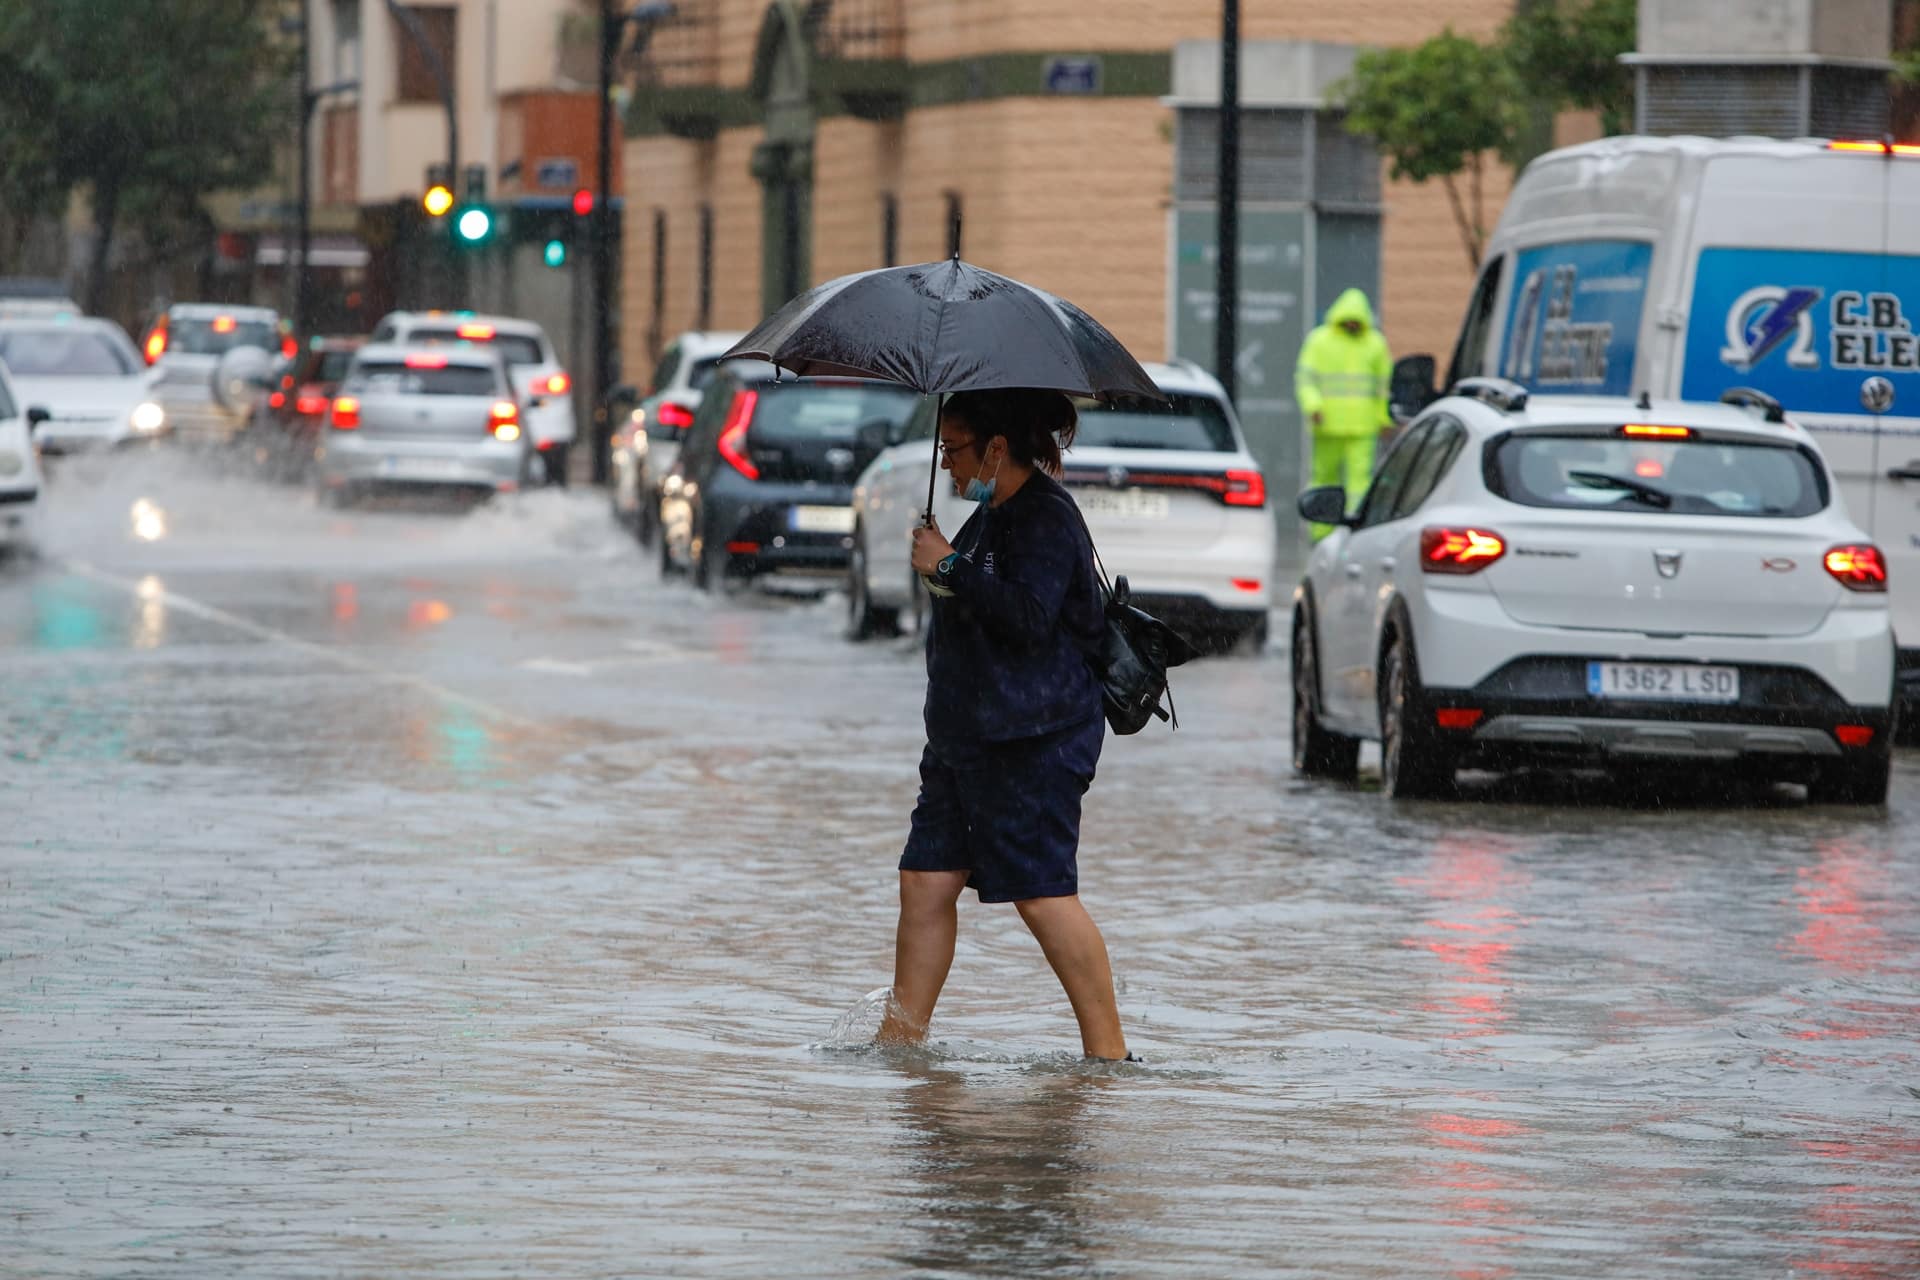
x,y
945,567
937,580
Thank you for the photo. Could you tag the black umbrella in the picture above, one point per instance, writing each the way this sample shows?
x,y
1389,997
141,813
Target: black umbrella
x,y
947,326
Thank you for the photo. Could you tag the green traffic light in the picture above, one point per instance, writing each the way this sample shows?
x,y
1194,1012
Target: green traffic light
x,y
556,253
474,225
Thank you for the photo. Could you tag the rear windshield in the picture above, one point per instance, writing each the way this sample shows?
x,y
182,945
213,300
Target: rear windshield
x,y
396,379
518,348
834,411
330,367
63,353
1193,423
1667,477
209,337
701,374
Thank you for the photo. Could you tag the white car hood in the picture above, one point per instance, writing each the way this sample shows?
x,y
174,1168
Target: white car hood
x,y
82,399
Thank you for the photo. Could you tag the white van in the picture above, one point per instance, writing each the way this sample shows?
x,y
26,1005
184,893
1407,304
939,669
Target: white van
x,y
1687,267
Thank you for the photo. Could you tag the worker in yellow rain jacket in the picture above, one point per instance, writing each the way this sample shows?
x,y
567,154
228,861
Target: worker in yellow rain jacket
x,y
1341,385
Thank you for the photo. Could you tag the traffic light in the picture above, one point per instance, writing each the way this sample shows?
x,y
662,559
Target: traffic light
x,y
474,222
439,194
556,252
583,202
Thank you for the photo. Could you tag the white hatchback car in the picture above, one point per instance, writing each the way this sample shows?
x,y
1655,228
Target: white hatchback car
x,y
1562,581
1173,497
19,471
542,384
85,375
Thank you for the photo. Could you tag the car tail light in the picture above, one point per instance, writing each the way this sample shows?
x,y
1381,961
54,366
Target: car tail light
x,y
346,413
733,436
743,548
504,420
426,360
1655,431
674,415
310,405
1859,567
1245,489
1853,735
554,386
276,400
223,324
288,347
1457,717
476,332
156,345
1876,148
1245,584
1459,550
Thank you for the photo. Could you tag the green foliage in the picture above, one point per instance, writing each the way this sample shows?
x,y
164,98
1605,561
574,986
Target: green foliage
x,y
147,104
1435,110
1567,54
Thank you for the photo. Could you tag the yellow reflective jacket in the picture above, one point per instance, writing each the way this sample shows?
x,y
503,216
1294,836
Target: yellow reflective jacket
x,y
1344,379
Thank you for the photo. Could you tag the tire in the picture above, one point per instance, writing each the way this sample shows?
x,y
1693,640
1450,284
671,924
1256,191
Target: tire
x,y
1317,751
1412,765
668,569
865,620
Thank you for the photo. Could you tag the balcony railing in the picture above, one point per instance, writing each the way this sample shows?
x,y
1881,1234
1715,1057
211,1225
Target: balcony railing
x,y
681,51
858,30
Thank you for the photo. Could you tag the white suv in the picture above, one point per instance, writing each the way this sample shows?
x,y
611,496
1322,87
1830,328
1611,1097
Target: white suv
x,y
540,380
1173,497
1571,580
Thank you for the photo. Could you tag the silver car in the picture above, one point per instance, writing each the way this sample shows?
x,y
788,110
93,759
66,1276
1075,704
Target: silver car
x,y
86,377
445,416
185,346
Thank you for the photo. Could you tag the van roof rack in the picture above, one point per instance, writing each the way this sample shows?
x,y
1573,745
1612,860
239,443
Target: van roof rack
x,y
1751,398
1507,397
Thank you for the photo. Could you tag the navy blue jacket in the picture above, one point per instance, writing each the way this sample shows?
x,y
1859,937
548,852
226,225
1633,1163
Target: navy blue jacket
x,y
1006,657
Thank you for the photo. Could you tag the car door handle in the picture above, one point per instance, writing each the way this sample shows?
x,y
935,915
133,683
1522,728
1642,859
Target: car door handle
x,y
1353,570
1909,472
1387,563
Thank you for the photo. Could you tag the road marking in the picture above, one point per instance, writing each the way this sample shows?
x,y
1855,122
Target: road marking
x,y
339,657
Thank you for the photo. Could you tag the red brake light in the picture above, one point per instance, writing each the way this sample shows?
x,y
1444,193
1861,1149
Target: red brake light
x,y
288,347
1245,489
555,386
156,343
346,413
1649,469
733,436
1878,148
1459,550
1853,735
1457,717
475,332
1858,567
277,399
504,420
426,360
1655,431
310,405
223,324
674,415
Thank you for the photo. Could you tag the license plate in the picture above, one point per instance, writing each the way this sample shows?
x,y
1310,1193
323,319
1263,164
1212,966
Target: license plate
x,y
822,520
1663,682
1123,504
421,467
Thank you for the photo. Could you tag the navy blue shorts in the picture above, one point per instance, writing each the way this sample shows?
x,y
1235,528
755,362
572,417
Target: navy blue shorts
x,y
1008,812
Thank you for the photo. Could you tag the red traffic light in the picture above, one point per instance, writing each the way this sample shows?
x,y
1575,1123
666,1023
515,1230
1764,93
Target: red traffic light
x,y
583,202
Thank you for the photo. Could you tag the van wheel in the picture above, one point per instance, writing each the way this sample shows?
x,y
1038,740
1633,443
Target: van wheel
x,y
865,619
1317,751
1412,765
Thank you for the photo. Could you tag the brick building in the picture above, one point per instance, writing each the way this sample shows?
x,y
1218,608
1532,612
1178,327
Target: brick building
x,y
773,144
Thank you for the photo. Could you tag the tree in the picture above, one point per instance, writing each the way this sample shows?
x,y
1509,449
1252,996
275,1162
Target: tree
x,y
1435,110
148,105
1567,54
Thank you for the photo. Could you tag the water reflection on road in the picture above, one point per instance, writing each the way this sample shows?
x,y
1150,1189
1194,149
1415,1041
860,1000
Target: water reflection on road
x,y
435,892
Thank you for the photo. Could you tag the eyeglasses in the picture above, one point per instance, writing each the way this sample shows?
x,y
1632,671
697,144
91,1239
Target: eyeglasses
x,y
948,450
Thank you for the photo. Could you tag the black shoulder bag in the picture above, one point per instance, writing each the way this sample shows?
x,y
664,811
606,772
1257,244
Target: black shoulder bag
x,y
1133,654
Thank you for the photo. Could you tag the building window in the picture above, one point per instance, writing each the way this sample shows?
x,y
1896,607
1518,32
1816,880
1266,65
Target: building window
x,y
953,224
346,39
704,301
889,230
657,319
432,25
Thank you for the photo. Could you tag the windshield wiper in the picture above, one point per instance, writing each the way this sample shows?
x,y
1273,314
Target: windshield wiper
x,y
1652,495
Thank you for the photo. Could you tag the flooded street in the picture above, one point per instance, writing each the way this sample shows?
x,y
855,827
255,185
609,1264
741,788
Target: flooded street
x,y
434,891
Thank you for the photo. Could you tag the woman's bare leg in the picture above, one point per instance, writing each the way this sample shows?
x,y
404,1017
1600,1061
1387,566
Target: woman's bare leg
x,y
1078,954
922,951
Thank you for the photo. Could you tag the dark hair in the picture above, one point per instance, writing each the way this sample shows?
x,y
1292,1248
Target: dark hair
x,y
1037,424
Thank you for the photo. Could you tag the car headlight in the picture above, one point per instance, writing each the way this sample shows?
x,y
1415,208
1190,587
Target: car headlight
x,y
11,463
147,417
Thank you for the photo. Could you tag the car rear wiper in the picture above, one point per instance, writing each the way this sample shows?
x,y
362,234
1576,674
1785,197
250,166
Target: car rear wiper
x,y
1650,494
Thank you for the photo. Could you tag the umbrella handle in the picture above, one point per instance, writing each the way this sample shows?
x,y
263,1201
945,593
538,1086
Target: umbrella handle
x,y
933,472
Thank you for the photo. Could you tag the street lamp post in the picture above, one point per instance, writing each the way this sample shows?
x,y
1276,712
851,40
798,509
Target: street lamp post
x,y
303,218
1227,239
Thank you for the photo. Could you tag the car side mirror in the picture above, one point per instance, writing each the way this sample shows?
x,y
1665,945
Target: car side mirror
x,y
37,414
1412,387
1324,505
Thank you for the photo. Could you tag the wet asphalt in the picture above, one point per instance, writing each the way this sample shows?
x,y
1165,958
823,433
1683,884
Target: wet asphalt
x,y
430,889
